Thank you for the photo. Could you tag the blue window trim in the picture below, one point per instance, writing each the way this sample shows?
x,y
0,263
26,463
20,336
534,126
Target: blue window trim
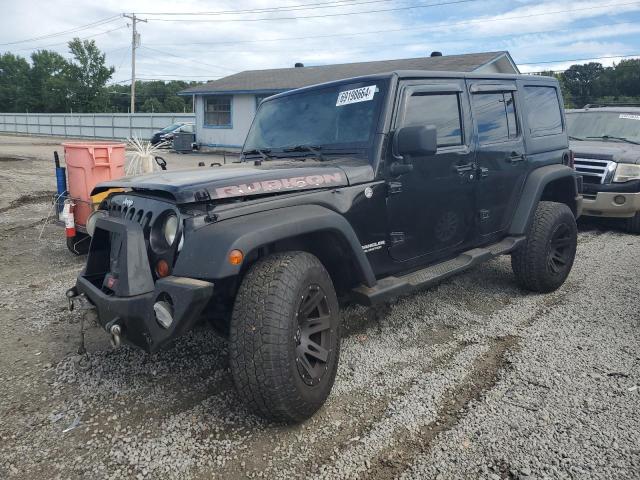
x,y
204,113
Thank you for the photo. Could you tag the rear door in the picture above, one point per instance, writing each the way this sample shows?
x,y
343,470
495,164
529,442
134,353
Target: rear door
x,y
500,153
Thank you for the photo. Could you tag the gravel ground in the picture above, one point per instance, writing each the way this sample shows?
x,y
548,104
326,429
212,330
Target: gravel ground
x,y
471,379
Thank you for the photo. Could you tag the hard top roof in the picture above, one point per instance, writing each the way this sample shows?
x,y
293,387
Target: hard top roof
x,y
425,74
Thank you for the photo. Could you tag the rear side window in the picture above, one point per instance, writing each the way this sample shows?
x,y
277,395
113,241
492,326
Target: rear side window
x,y
543,111
495,115
439,109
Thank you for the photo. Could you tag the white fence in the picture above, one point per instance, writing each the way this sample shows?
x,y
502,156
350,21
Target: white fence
x,y
90,125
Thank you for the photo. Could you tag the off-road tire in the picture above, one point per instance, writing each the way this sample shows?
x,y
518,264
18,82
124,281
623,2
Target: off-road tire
x,y
532,262
79,245
633,224
264,336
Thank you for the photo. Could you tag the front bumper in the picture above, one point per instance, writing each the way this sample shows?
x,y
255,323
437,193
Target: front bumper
x,y
136,317
118,282
603,204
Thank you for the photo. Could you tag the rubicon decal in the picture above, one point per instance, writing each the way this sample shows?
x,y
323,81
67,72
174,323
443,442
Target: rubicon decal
x,y
291,183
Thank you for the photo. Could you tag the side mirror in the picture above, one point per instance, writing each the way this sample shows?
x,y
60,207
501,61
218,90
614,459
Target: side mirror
x,y
416,140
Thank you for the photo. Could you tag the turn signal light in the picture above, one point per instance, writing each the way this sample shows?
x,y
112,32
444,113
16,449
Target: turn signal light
x,y
162,268
235,257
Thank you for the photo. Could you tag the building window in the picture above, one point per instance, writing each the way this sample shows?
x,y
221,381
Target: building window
x,y
217,111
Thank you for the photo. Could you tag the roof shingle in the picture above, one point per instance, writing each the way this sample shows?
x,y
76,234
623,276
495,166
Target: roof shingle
x,y
281,79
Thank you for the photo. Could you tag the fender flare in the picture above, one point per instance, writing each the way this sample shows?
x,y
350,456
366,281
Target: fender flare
x,y
532,192
205,250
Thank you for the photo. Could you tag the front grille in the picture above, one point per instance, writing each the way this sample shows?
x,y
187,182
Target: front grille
x,y
595,170
131,213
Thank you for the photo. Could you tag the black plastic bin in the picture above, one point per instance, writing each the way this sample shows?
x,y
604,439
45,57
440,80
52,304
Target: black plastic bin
x,y
183,142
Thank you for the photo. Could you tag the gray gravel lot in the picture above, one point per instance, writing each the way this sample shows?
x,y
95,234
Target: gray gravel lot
x,y
471,379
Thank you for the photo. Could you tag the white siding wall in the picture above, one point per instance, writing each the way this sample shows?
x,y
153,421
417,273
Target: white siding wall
x,y
243,109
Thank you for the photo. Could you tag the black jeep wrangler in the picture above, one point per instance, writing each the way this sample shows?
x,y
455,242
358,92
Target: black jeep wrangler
x,y
360,189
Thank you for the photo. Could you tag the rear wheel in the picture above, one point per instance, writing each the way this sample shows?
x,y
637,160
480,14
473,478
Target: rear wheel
x,y
633,224
284,337
544,261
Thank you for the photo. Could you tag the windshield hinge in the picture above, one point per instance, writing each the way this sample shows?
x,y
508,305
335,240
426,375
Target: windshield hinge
x,y
201,196
394,188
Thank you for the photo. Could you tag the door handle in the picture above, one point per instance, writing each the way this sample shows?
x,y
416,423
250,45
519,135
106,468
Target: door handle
x,y
462,169
516,157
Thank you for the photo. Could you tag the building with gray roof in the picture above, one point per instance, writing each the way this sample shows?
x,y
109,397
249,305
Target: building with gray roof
x,y
225,108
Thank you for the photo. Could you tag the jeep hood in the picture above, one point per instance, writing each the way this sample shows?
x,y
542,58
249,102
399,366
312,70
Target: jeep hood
x,y
607,150
244,179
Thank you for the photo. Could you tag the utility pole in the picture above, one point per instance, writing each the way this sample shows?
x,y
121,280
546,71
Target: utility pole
x,y
135,43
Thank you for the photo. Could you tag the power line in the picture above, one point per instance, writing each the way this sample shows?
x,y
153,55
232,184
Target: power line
x,y
422,28
580,59
268,19
178,56
65,32
404,44
304,6
65,43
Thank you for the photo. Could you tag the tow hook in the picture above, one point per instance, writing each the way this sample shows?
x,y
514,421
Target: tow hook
x,y
71,294
114,328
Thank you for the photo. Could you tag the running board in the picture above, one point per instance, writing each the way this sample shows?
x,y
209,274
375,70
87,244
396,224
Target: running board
x,y
389,287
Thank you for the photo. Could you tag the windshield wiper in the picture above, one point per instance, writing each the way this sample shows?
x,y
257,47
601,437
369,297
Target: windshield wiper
x,y
264,153
571,137
611,137
313,149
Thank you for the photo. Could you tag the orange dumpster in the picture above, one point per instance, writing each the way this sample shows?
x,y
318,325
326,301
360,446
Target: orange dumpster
x,y
89,163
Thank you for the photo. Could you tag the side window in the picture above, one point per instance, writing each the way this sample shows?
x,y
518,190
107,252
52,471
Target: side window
x,y
495,115
439,109
544,114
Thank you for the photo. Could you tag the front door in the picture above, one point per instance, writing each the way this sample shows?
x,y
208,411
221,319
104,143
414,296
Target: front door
x,y
431,208
500,154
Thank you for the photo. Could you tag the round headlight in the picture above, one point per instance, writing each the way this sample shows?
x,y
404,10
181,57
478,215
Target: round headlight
x,y
170,228
91,220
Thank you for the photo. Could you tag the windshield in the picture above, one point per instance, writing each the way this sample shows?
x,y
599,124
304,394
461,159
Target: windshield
x,y
586,125
335,117
171,128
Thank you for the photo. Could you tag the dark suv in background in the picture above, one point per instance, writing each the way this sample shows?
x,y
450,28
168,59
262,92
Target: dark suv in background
x,y
606,144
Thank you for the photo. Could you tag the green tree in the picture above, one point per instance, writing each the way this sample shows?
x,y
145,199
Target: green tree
x,y
49,82
174,104
152,105
627,77
581,82
88,76
14,83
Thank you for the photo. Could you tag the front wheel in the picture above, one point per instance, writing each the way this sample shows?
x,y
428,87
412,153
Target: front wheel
x,y
285,337
544,261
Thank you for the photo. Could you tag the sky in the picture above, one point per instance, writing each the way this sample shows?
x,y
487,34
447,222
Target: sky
x,y
226,36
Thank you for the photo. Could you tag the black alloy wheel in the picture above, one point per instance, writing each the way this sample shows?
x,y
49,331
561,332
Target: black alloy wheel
x,y
313,336
560,251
